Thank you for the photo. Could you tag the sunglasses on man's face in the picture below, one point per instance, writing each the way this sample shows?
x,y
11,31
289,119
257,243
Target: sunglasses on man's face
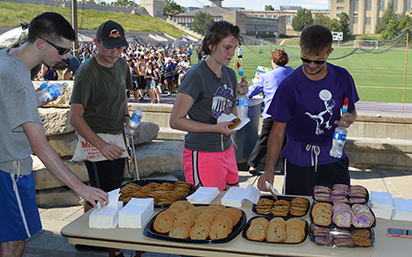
x,y
316,61
60,50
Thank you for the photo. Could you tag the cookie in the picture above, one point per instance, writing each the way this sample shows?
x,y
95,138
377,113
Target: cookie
x,y
218,230
347,242
363,220
324,240
321,189
293,235
343,219
276,233
358,208
200,231
256,232
181,231
163,222
260,220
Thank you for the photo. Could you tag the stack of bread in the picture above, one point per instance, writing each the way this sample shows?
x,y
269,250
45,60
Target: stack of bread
x,y
277,230
183,220
297,207
341,237
340,193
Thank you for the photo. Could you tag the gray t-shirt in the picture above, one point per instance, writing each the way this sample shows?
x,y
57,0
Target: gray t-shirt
x,y
212,96
18,105
102,92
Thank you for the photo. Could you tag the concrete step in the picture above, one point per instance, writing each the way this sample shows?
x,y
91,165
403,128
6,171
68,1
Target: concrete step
x,y
382,153
170,134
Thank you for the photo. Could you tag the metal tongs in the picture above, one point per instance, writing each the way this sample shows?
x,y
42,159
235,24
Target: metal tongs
x,y
272,190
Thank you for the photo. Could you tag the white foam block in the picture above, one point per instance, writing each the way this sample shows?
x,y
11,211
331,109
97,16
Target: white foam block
x,y
107,216
382,204
136,213
403,209
203,195
235,196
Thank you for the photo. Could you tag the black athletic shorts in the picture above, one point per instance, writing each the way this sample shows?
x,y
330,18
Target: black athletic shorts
x,y
142,83
106,175
301,180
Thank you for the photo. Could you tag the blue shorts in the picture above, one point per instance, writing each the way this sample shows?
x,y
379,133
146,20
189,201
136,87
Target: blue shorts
x,y
19,214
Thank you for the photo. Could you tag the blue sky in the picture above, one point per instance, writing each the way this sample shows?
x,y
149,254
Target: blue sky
x,y
251,5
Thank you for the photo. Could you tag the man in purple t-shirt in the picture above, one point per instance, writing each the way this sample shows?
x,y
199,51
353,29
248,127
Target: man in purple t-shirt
x,y
306,107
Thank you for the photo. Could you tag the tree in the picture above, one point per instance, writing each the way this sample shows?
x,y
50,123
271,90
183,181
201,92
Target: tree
x,y
269,8
302,19
123,2
344,25
404,23
388,15
201,22
391,30
171,8
319,18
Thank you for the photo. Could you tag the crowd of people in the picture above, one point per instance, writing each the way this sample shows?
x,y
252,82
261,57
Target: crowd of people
x,y
155,69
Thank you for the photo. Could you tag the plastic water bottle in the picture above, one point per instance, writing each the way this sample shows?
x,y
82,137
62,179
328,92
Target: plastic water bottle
x,y
43,85
51,92
134,121
339,139
242,105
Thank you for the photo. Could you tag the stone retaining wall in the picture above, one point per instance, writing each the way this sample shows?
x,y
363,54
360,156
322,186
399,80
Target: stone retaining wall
x,y
152,156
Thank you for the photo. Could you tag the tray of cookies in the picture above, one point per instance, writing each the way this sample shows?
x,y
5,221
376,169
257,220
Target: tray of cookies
x,y
284,206
342,215
338,237
200,224
276,230
340,193
163,192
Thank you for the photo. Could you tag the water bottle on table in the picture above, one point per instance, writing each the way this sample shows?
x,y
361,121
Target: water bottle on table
x,y
339,136
134,121
51,92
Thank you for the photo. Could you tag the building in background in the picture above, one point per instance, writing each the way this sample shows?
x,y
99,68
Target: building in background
x,y
365,14
248,24
285,14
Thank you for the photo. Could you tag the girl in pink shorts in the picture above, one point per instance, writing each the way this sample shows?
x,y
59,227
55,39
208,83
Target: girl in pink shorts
x,y
208,90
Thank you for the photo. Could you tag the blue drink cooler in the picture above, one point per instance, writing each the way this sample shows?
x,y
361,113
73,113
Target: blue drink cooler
x,y
245,139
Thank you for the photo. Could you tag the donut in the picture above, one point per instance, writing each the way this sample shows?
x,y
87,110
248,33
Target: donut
x,y
236,122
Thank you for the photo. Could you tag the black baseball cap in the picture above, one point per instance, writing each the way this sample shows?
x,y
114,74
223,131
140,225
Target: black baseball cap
x,y
111,34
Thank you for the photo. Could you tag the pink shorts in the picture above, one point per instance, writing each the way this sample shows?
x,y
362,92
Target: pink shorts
x,y
211,169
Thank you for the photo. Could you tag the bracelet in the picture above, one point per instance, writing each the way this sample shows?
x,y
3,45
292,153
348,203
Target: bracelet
x,y
127,115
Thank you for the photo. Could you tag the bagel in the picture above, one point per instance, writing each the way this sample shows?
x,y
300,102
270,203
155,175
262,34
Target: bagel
x,y
236,123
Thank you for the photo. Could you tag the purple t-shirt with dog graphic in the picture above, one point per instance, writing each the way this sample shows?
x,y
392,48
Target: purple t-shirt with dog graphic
x,y
310,109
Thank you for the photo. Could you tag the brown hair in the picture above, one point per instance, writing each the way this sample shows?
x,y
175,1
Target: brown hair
x,y
216,32
279,57
315,38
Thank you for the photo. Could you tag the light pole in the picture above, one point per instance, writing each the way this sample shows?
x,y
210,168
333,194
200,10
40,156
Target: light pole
x,y
74,24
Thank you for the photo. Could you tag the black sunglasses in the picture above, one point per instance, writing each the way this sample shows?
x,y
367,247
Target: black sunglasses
x,y
60,50
317,61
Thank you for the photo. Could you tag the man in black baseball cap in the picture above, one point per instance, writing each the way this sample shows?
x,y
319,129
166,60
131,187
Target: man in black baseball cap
x,y
111,34
98,105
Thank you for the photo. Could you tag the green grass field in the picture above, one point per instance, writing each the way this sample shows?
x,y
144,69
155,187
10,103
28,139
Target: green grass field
x,y
378,77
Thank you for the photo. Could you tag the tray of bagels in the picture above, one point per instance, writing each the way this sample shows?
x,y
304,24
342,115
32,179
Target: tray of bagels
x,y
340,217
